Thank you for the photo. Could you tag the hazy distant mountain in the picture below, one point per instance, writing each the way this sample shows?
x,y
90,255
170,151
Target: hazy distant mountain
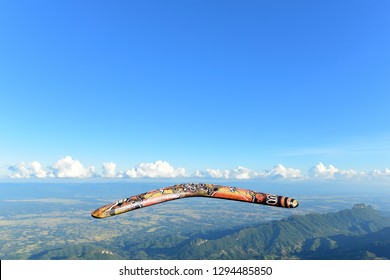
x,y
357,233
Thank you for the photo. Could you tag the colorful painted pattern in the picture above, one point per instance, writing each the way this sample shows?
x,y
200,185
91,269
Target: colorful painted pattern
x,y
192,190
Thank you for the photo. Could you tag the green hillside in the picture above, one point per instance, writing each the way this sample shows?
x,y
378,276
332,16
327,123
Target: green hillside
x,y
299,237
77,252
374,245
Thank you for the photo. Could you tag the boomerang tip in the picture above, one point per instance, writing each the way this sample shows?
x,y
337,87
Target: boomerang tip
x,y
101,212
294,203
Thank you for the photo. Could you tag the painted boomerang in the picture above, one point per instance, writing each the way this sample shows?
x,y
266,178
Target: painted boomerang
x,y
192,190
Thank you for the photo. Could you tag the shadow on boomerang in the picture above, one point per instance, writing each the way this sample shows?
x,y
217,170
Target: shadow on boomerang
x,y
192,190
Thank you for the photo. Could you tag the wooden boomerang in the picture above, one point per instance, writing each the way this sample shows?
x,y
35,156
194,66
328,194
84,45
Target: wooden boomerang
x,y
192,190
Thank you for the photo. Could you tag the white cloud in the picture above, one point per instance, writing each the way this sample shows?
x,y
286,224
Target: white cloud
x,y
380,174
109,170
212,173
19,170
348,174
37,170
279,171
331,172
321,171
28,170
243,173
158,169
70,168
239,173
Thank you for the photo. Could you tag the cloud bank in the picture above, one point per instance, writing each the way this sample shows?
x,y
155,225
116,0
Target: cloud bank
x,y
68,167
242,173
238,173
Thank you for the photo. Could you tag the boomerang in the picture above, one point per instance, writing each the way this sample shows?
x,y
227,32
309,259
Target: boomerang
x,y
192,190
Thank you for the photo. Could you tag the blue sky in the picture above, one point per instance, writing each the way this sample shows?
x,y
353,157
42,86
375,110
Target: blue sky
x,y
196,84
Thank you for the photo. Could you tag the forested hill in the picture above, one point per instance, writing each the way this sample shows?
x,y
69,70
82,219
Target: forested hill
x,y
358,233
